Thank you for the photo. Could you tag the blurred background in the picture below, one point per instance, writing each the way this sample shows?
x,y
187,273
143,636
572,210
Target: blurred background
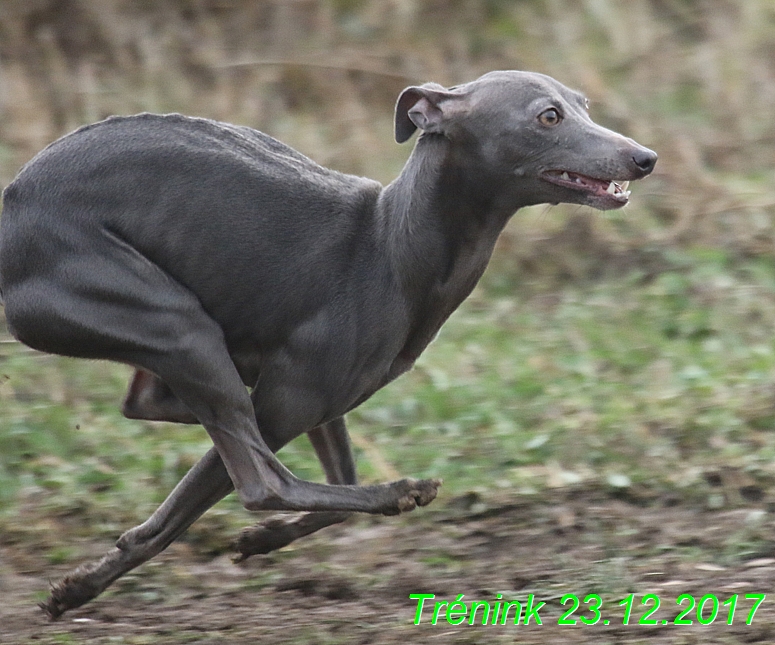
x,y
629,353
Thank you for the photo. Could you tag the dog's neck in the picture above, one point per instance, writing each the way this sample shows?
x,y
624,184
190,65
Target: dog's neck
x,y
439,220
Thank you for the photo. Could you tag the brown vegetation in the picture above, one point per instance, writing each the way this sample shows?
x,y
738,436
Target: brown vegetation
x,y
693,79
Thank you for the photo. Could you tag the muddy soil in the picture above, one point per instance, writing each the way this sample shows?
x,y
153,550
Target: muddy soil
x,y
351,583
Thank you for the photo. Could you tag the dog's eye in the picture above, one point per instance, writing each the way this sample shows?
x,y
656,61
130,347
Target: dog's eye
x,y
550,117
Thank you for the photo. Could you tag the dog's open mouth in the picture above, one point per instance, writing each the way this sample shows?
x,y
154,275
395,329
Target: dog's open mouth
x,y
604,192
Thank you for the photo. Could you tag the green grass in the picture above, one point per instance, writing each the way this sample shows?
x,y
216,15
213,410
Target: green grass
x,y
617,377
633,382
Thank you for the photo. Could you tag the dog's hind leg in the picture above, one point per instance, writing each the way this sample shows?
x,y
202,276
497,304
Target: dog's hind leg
x,y
332,445
204,485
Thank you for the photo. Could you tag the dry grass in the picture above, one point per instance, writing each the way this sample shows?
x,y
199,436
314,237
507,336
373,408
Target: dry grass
x,y
693,79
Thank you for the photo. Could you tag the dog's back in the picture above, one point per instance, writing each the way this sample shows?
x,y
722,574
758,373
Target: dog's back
x,y
209,203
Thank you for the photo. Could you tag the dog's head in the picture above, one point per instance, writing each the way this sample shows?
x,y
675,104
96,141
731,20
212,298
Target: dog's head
x,y
532,132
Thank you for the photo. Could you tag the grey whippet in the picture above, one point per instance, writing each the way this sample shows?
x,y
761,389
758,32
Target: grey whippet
x,y
210,257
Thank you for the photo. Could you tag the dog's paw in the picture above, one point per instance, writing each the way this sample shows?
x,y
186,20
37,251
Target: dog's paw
x,y
421,492
273,533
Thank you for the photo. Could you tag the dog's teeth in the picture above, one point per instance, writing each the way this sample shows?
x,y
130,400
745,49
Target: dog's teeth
x,y
565,176
625,186
611,190
578,180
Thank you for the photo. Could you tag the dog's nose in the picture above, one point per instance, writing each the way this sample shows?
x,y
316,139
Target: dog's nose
x,y
645,159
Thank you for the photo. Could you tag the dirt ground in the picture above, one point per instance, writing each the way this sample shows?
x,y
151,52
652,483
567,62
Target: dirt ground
x,y
351,583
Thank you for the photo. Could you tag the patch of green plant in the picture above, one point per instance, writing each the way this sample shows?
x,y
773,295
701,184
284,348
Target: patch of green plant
x,y
624,383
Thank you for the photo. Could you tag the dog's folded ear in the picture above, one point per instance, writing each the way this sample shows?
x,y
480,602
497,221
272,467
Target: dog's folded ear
x,y
426,107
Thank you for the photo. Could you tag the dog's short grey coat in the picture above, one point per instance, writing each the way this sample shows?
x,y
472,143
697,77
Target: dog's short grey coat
x,y
211,257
